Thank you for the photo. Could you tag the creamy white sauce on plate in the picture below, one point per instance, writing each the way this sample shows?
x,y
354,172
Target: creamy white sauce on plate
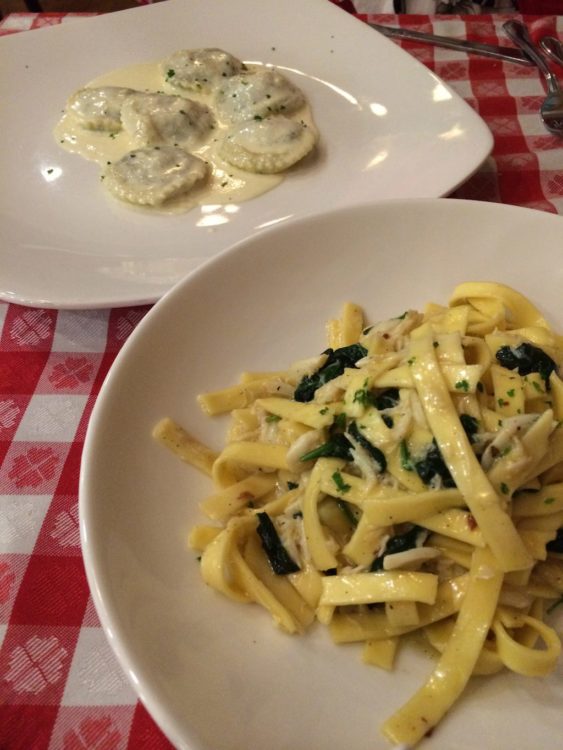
x,y
225,183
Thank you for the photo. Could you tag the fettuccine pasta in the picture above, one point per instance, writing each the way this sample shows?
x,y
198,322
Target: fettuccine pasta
x,y
408,479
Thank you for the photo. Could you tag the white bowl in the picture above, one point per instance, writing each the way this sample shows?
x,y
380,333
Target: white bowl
x,y
217,675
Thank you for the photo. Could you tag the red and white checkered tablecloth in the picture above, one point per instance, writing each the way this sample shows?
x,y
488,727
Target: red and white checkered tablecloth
x,y
60,685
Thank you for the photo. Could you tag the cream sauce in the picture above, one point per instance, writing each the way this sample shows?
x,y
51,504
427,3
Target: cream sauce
x,y
225,185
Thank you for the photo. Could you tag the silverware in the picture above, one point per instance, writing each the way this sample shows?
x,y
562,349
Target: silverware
x,y
552,47
551,110
508,54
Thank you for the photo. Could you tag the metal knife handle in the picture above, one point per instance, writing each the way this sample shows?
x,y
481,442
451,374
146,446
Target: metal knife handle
x,y
508,54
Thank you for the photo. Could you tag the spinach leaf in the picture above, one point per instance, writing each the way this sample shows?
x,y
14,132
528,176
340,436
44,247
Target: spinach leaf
x,y
373,451
526,358
338,360
386,399
433,465
398,543
281,562
338,446
346,510
557,544
470,425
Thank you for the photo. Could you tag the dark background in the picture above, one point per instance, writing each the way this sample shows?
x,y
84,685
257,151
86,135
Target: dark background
x,y
65,6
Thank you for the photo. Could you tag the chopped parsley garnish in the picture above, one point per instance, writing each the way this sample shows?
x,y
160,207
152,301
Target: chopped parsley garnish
x,y
462,385
272,418
406,461
362,395
341,485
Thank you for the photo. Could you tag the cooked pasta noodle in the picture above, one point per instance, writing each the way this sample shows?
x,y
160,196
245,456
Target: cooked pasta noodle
x,y
407,479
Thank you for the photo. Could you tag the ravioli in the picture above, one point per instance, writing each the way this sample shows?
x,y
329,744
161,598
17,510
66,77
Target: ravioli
x,y
257,94
99,108
200,69
267,146
214,106
164,119
151,176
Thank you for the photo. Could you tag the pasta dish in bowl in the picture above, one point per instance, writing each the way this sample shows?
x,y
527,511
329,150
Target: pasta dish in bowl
x,y
383,479
406,479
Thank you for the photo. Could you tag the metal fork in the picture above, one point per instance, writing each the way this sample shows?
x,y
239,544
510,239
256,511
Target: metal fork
x,y
551,110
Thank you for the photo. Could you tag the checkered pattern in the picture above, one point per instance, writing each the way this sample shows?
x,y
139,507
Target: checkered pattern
x,y
60,686
526,164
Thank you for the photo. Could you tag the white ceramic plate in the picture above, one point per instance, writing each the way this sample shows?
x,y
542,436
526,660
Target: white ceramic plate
x,y
217,675
389,129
